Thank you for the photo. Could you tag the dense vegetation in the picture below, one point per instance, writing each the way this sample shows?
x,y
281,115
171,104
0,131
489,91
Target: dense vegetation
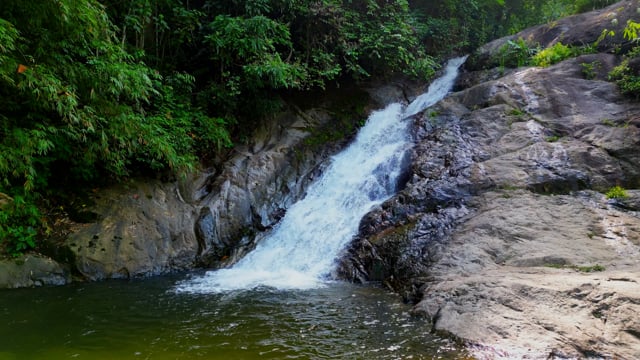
x,y
95,91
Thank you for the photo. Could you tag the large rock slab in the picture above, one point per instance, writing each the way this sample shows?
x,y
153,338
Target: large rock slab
x,y
140,231
211,218
531,276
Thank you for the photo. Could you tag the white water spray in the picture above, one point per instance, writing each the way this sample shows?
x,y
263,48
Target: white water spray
x,y
301,250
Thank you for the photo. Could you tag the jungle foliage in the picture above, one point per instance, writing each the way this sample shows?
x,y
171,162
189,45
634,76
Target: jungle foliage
x,y
92,91
627,74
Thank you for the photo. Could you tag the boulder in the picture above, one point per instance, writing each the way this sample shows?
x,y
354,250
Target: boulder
x,y
31,271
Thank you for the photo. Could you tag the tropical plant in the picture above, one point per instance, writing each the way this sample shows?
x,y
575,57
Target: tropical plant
x,y
628,79
617,192
19,226
515,53
552,55
77,107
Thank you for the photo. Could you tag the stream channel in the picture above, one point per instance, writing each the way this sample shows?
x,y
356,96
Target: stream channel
x,y
276,303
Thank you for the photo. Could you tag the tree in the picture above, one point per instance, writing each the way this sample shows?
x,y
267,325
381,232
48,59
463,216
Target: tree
x,y
77,107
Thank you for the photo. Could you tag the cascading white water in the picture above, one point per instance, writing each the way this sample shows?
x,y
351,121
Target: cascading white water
x,y
438,89
301,249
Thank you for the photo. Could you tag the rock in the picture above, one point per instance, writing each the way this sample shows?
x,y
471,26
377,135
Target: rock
x,y
503,216
30,271
510,280
140,232
630,202
149,227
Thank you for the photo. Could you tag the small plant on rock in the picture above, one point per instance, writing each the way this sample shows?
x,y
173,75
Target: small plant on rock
x,y
590,70
617,192
552,55
515,53
553,138
589,269
516,112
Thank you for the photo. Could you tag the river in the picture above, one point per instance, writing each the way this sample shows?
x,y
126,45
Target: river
x,y
148,319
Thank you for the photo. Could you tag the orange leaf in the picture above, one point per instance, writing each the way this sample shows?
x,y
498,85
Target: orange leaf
x,y
21,68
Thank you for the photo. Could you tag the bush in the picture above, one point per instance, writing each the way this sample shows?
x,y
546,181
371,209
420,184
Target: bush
x,y
19,225
627,80
590,70
617,192
515,53
552,55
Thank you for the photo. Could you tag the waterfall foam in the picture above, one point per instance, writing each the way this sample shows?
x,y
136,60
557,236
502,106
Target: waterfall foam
x,y
300,251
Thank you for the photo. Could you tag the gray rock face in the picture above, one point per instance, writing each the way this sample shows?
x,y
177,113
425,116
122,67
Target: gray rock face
x,y
519,279
503,216
209,219
140,232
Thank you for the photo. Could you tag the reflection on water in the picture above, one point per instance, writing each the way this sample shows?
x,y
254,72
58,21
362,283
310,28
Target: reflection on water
x,y
147,320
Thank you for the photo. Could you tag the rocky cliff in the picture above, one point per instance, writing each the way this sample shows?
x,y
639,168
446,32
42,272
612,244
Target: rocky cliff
x,y
212,217
503,235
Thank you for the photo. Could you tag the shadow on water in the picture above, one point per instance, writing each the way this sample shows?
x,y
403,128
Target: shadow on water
x,y
149,320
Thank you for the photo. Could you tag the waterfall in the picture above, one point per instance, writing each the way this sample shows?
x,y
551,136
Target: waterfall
x,y
438,89
301,250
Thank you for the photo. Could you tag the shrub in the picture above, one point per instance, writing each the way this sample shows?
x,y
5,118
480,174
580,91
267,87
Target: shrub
x,y
19,225
552,55
590,70
591,268
627,81
515,53
617,192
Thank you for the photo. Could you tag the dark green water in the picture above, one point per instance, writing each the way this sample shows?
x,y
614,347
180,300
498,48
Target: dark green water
x,y
147,320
